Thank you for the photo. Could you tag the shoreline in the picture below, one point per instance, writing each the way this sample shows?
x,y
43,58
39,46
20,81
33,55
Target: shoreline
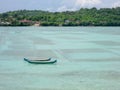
x,y
56,26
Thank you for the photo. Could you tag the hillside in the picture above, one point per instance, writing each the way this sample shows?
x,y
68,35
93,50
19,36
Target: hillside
x,y
82,17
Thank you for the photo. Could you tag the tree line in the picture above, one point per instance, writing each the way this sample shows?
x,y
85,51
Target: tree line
x,y
82,17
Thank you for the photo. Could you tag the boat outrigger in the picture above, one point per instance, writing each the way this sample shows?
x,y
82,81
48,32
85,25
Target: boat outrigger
x,y
46,61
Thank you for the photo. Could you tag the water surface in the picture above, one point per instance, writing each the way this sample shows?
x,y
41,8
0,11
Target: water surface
x,y
88,58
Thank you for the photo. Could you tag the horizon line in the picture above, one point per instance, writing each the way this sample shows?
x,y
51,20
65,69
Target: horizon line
x,y
57,11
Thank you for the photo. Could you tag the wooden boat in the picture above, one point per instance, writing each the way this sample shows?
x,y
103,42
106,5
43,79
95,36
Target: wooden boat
x,y
47,61
42,59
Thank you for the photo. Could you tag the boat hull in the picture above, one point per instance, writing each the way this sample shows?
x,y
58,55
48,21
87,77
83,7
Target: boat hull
x,y
40,62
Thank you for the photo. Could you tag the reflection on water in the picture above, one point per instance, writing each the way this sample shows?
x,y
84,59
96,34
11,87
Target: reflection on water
x,y
88,58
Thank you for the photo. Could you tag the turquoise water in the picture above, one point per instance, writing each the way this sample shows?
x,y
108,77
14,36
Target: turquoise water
x,y
88,58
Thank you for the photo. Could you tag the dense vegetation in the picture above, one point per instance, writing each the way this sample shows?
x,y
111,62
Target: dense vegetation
x,y
82,17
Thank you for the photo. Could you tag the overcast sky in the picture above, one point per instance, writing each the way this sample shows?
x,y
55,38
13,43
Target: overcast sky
x,y
55,5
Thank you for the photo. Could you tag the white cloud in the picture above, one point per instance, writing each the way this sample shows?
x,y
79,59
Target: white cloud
x,y
116,4
65,8
83,3
72,5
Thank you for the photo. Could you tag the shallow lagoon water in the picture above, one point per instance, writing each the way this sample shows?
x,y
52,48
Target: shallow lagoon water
x,y
88,58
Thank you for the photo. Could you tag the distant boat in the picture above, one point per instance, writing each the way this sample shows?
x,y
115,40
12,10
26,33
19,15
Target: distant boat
x,y
46,61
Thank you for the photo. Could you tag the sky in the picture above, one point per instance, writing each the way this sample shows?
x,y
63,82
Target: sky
x,y
55,5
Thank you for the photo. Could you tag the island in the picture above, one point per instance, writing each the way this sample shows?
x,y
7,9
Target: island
x,y
82,17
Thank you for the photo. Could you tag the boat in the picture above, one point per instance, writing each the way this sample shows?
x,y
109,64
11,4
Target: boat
x,y
42,59
46,61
